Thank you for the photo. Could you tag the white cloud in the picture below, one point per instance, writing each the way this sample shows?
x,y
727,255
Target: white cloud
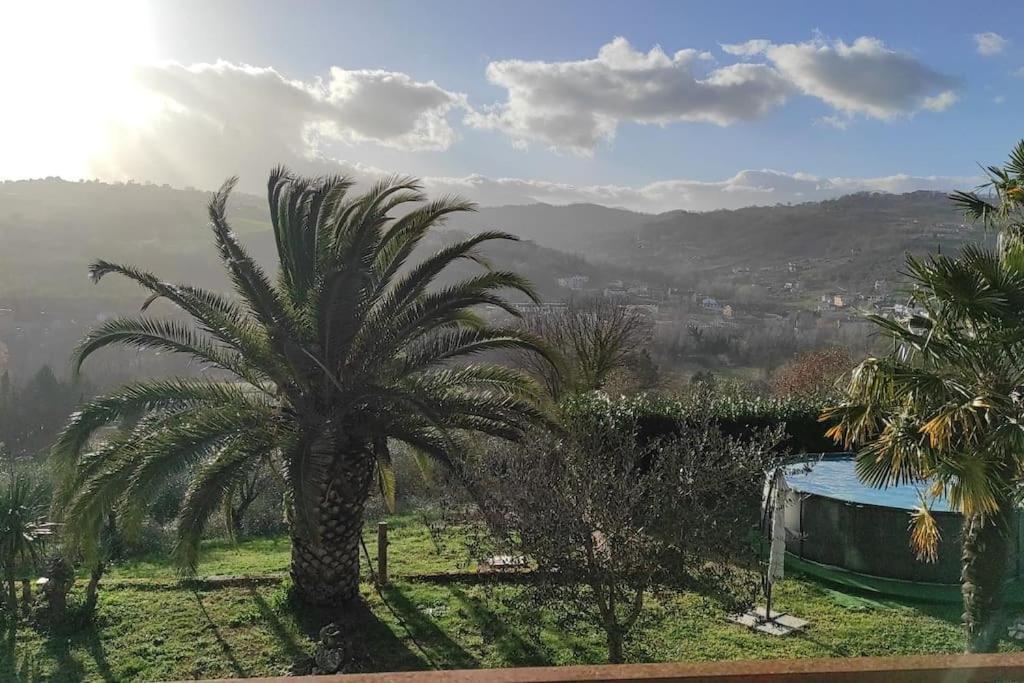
x,y
200,156
216,120
833,121
990,44
751,48
746,188
864,77
392,109
576,105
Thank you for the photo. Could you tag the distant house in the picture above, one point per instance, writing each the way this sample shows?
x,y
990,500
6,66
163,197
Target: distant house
x,y
647,310
615,293
573,282
711,304
837,301
727,311
903,311
541,309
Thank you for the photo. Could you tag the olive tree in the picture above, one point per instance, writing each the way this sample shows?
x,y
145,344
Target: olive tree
x,y
609,514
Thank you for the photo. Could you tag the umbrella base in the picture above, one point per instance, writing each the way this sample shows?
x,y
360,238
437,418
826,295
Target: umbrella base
x,y
780,624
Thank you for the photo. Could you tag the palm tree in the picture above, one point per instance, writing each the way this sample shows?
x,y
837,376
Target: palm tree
x,y
353,347
946,405
23,530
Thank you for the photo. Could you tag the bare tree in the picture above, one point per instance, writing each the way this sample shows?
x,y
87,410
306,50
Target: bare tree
x,y
596,337
608,515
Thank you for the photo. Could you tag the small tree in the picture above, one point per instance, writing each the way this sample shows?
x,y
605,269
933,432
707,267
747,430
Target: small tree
x,y
22,531
597,337
609,516
243,494
812,373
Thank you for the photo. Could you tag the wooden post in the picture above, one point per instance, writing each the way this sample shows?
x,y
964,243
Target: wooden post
x,y
382,553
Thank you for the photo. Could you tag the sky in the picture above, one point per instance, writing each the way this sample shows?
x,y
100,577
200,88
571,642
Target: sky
x,y
641,104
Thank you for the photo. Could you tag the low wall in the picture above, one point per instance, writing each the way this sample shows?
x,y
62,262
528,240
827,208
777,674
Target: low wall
x,y
946,668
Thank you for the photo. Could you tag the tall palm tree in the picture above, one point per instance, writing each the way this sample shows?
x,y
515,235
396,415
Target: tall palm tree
x,y
946,405
353,347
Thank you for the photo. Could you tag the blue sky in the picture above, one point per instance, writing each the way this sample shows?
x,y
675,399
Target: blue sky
x,y
917,98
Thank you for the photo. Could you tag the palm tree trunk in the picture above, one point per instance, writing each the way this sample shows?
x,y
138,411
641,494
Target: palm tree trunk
x,y
325,570
985,546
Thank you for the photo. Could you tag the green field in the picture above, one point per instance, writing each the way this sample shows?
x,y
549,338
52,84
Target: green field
x,y
150,626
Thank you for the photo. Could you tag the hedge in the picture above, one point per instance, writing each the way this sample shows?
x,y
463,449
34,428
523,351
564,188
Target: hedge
x,y
657,415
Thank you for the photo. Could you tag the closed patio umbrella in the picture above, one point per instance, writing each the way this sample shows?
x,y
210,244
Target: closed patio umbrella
x,y
777,551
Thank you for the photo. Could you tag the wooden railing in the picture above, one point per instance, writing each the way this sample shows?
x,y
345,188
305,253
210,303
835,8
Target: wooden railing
x,y
918,669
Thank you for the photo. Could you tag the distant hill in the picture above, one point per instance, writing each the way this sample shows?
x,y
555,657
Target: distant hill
x,y
574,228
849,241
50,230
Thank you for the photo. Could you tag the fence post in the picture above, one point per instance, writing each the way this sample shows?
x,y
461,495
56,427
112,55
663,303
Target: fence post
x,y
382,553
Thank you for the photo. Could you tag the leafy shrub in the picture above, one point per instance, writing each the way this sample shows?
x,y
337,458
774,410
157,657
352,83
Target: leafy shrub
x,y
738,416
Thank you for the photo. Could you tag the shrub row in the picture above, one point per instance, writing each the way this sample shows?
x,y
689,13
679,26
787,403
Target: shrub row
x,y
657,415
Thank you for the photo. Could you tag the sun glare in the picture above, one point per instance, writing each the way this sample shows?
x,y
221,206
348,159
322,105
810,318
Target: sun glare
x,y
73,62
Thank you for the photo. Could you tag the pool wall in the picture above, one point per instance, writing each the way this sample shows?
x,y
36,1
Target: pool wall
x,y
875,540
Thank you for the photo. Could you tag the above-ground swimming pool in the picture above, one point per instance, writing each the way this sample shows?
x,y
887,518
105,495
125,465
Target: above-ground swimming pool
x,y
834,519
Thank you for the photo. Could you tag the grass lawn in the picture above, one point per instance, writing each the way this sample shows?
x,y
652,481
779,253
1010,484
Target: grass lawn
x,y
149,627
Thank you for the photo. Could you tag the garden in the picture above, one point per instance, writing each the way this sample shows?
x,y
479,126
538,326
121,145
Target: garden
x,y
222,523
150,625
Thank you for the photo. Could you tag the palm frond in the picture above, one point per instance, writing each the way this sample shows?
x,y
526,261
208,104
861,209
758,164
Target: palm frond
x,y
205,494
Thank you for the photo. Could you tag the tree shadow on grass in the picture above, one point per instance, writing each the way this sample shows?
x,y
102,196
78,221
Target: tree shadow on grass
x,y
373,644
515,647
295,650
57,648
225,647
438,650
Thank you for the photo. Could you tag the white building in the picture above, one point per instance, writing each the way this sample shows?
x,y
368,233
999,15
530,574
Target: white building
x,y
573,282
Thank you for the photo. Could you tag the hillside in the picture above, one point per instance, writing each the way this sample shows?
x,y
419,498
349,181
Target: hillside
x,y
850,241
765,259
575,228
50,230
847,242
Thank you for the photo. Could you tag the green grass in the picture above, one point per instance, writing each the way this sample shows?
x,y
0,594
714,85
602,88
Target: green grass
x,y
150,627
412,551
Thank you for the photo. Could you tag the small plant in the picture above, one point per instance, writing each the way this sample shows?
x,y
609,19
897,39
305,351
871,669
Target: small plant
x,y
23,531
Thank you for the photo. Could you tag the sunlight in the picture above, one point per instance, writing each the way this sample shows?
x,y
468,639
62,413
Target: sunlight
x,y
73,61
